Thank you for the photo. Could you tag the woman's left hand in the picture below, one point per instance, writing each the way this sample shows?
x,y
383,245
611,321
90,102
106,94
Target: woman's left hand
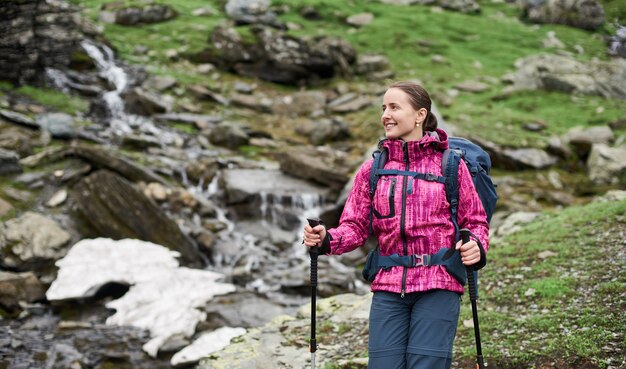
x,y
470,252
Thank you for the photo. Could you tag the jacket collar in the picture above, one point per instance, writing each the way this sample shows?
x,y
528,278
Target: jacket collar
x,y
431,141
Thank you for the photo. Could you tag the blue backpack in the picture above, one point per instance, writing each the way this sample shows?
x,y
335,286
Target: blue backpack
x,y
479,164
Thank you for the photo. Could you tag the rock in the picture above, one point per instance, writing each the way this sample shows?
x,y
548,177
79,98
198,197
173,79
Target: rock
x,y
159,83
205,345
250,191
356,104
360,20
31,241
327,169
371,63
18,118
252,12
463,6
18,287
617,42
514,222
280,343
229,134
142,102
524,158
585,14
199,120
278,57
565,74
606,164
300,103
472,86
154,13
5,207
104,201
582,138
9,162
324,131
37,35
164,298
253,102
57,199
60,125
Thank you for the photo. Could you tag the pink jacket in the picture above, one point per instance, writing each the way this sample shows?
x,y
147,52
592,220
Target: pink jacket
x,y
410,223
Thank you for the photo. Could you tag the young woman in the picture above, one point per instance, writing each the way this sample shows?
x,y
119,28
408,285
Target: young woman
x,y
415,310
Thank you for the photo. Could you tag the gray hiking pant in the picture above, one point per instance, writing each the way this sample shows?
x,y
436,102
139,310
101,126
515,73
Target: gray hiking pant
x,y
414,332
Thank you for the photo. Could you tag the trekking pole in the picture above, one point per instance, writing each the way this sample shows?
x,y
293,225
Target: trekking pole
x,y
314,252
471,283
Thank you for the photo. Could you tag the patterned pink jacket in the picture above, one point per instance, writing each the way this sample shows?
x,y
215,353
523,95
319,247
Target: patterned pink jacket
x,y
410,223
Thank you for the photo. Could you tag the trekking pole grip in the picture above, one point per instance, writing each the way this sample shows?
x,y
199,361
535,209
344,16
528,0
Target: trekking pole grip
x,y
314,252
471,283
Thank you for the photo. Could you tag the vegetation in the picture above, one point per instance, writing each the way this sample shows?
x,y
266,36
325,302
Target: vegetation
x,y
555,291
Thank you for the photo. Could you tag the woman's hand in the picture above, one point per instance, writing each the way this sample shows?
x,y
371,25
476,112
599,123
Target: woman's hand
x,y
470,252
314,236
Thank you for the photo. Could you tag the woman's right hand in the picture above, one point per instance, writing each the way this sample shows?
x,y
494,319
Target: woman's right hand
x,y
313,236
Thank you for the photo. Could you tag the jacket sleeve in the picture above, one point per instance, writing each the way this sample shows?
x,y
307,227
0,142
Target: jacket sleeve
x,y
354,224
471,214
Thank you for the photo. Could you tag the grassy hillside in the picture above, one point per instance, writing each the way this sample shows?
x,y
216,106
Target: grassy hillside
x,y
467,47
555,292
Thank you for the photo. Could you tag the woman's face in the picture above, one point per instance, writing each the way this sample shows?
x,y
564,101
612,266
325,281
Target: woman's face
x,y
399,118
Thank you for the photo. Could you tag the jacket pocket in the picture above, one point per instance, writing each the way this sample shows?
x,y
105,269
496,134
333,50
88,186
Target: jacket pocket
x,y
384,198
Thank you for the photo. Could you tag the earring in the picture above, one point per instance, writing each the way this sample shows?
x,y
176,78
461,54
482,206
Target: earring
x,y
417,124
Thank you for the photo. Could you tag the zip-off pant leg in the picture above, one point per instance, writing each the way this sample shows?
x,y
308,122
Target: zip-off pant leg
x,y
414,332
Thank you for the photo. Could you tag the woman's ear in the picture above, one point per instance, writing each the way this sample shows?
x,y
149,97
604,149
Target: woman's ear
x,y
420,116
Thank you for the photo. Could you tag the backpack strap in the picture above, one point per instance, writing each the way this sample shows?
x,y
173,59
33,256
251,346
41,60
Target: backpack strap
x,y
453,265
450,170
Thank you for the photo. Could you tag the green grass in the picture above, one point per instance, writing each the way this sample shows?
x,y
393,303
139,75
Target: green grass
x,y
54,99
576,310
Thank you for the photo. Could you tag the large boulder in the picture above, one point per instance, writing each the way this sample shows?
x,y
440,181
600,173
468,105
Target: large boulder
x,y
110,206
277,56
606,164
19,287
586,14
31,241
566,74
36,35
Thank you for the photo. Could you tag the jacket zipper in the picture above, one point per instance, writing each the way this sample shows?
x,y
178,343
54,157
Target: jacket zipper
x,y
403,218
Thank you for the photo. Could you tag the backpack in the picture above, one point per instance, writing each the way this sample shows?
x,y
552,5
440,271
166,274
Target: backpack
x,y
477,161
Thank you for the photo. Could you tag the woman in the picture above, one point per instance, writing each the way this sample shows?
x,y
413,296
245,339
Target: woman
x,y
415,310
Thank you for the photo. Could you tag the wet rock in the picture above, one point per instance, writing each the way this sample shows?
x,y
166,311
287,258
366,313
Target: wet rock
x,y
617,42
164,298
250,191
17,287
142,102
30,241
104,201
60,125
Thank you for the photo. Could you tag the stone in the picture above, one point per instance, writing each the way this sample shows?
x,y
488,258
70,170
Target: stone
x,y
606,165
19,287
